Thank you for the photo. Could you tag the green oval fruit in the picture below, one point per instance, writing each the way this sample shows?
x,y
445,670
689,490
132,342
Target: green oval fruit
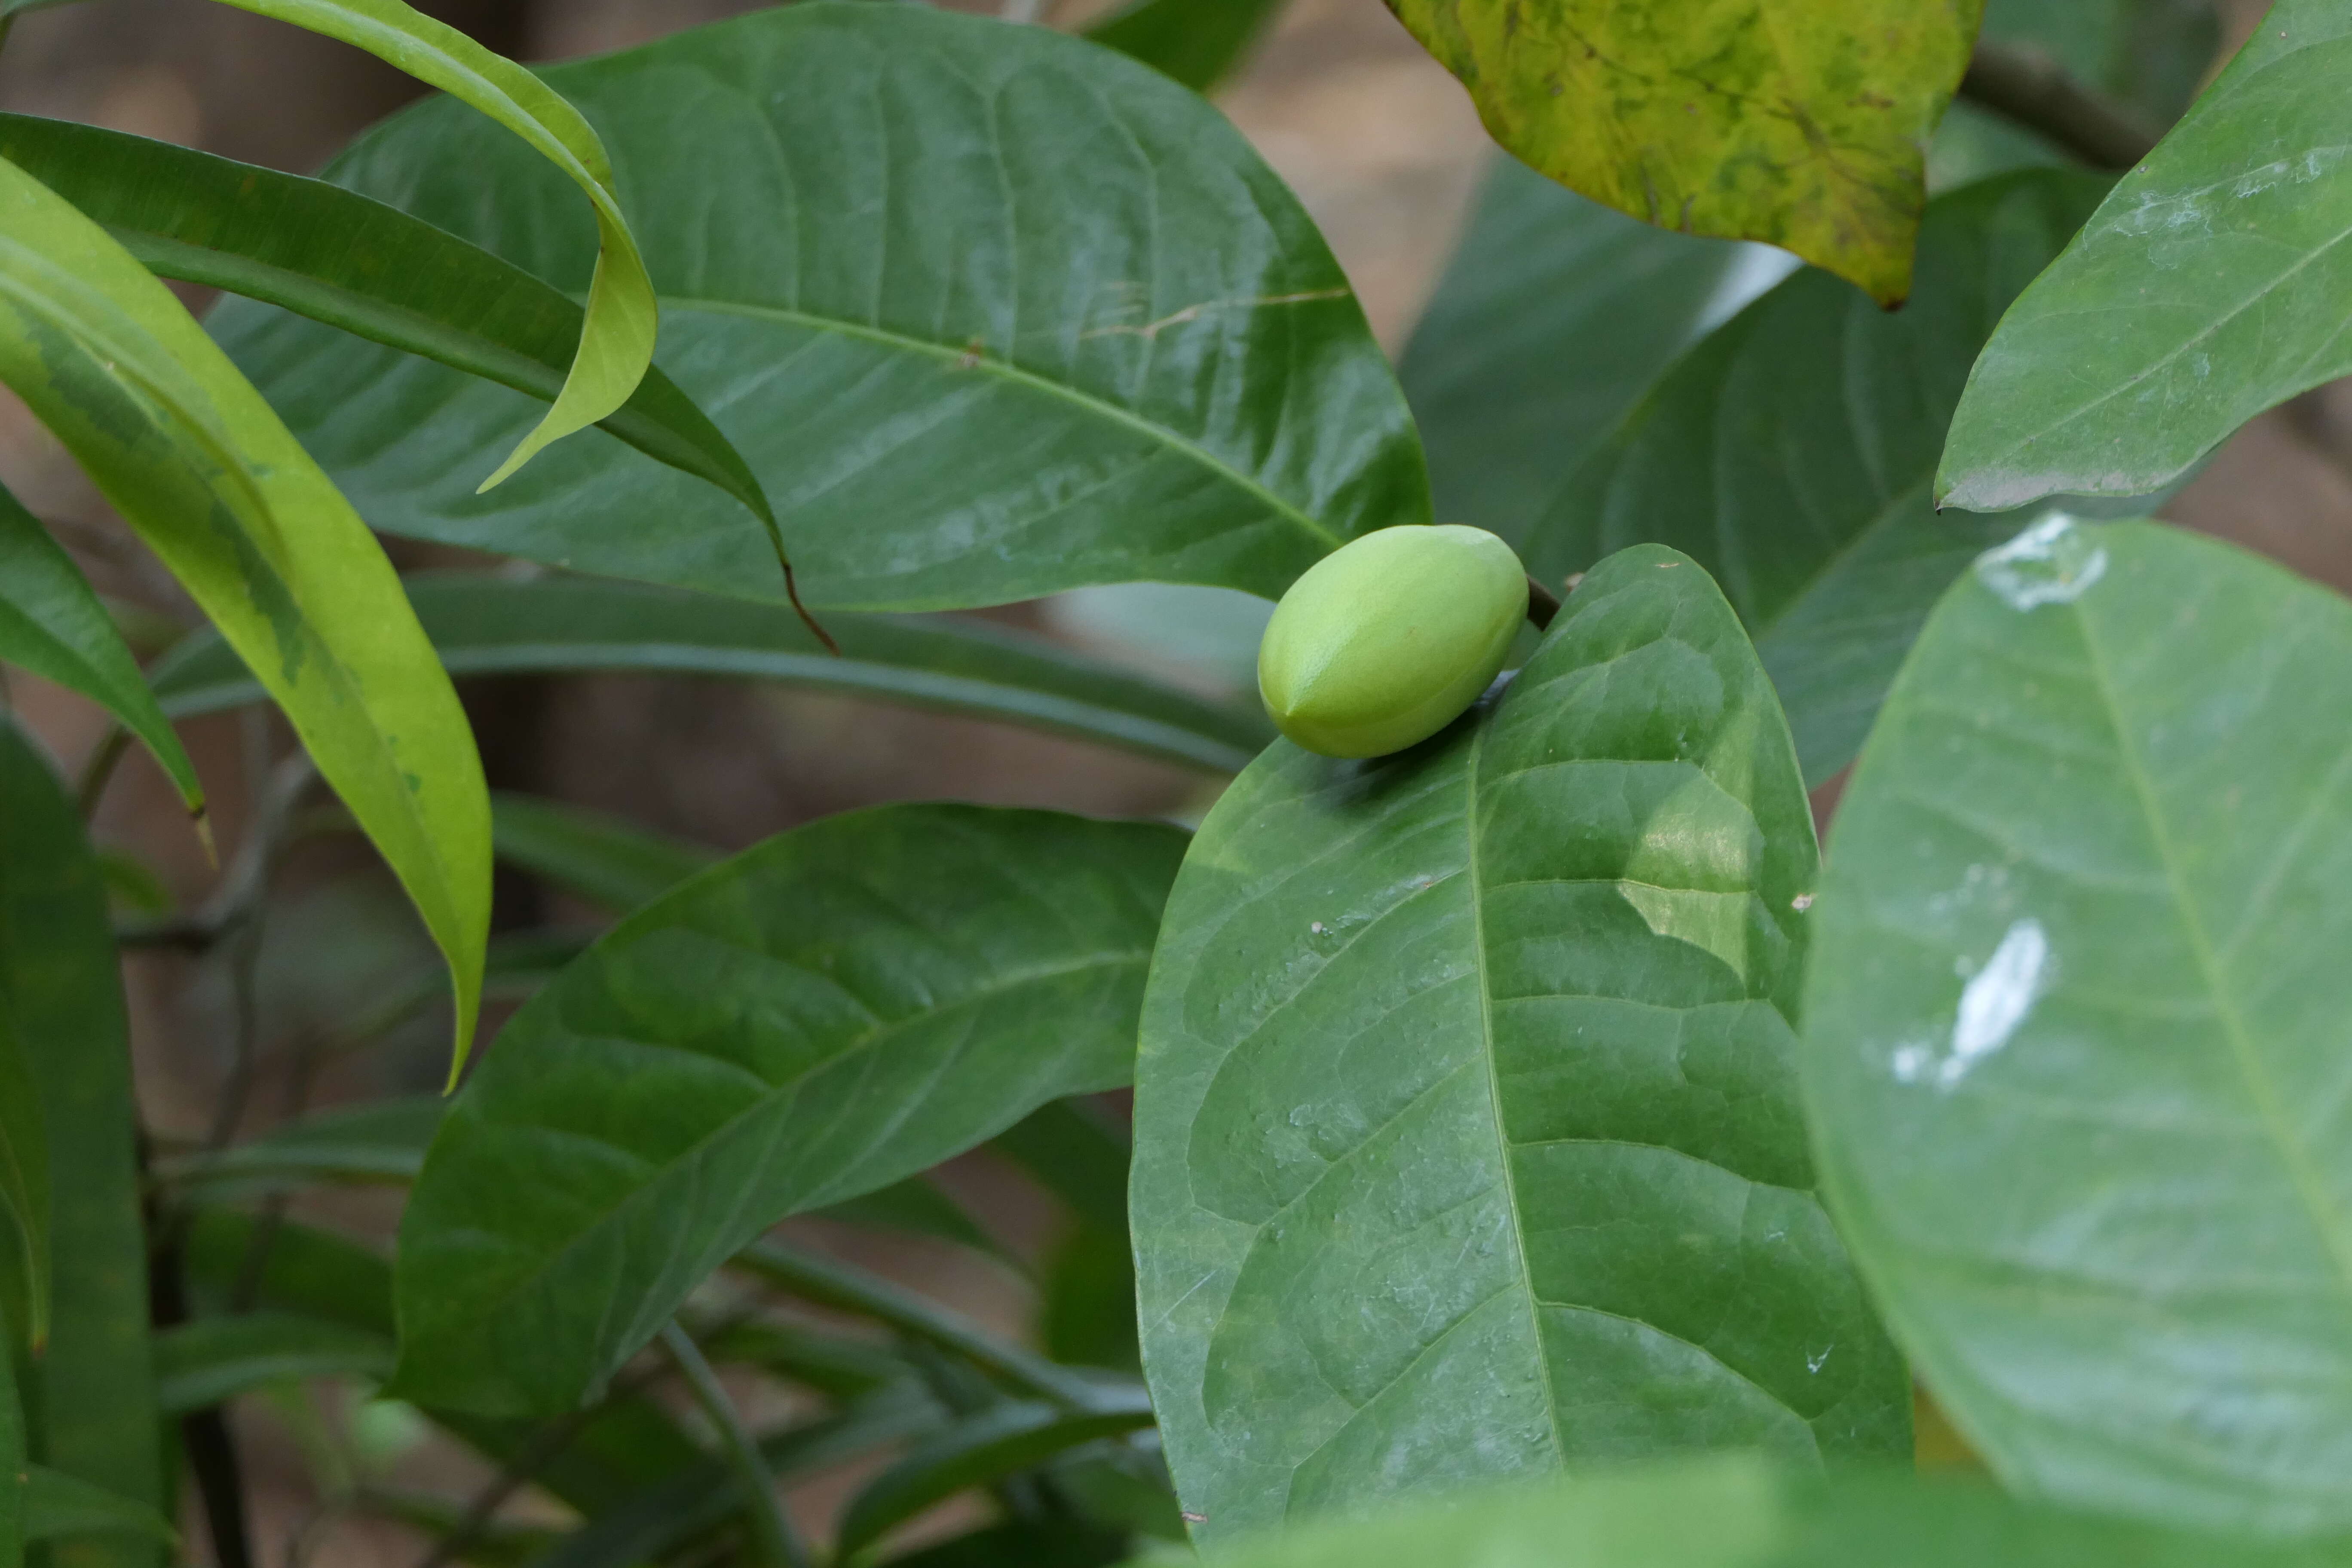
x,y
1382,642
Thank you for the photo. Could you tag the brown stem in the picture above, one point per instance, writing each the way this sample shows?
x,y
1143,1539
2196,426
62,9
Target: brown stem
x,y
1542,605
2030,87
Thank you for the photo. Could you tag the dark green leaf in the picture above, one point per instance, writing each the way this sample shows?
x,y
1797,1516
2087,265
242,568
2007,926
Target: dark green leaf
x,y
378,1141
52,624
1085,1308
198,465
25,1281
1555,316
2074,1028
1047,320
825,1014
1804,127
1076,1153
920,1209
616,336
1791,453
1737,1512
2205,289
1056,1543
977,1451
1197,42
839,1368
1467,1135
649,1525
339,258
58,1507
601,858
200,1364
491,626
91,1396
14,1459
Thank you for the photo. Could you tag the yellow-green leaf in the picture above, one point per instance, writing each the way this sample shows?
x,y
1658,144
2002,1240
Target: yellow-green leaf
x,y
190,454
617,343
1801,122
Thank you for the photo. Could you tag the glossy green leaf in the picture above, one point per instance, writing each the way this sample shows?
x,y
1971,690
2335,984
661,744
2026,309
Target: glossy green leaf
x,y
617,339
1554,317
1196,42
1806,128
200,1364
198,465
2073,1027
91,1396
991,312
1790,455
339,258
649,1525
1741,1513
980,1449
380,1141
601,858
1467,1139
485,624
52,623
288,1266
57,1506
2205,289
824,1014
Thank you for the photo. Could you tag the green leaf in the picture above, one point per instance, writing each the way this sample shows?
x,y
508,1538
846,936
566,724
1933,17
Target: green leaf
x,y
917,1208
52,624
1554,317
381,1141
339,258
1467,1135
616,339
14,1462
1804,128
1041,1544
1196,42
200,1364
57,1506
977,1451
2073,1028
90,1397
485,624
2205,289
1790,453
1740,1512
825,1014
601,858
1075,1153
25,1282
1049,321
197,462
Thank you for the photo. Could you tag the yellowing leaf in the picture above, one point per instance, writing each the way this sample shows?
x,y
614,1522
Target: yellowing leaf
x,y
1800,123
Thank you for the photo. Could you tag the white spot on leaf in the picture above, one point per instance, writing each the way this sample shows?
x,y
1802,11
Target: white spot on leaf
x,y
1992,1005
2051,562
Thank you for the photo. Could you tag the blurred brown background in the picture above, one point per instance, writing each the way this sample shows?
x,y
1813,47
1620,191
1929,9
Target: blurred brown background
x,y
1378,142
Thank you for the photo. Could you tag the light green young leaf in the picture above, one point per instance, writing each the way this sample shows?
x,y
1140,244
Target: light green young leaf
x,y
52,624
197,462
2074,1026
1467,1128
991,312
616,339
1196,42
93,1391
1741,1512
485,624
2206,289
200,1364
1789,452
351,262
824,1014
1806,127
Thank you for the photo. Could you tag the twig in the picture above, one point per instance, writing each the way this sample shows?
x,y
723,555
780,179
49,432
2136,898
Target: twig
x,y
248,878
781,1545
1542,605
474,1524
2027,86
204,1433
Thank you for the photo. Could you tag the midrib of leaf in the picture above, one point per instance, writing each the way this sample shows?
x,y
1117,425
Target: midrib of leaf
x,y
1005,370
1494,1087
772,1092
2308,1184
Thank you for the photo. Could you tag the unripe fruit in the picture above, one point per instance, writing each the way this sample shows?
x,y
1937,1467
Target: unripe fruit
x,y
1383,641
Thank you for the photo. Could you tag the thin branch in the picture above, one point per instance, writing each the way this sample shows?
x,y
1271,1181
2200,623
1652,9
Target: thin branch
x,y
275,827
2028,87
1542,605
781,1545
474,1526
